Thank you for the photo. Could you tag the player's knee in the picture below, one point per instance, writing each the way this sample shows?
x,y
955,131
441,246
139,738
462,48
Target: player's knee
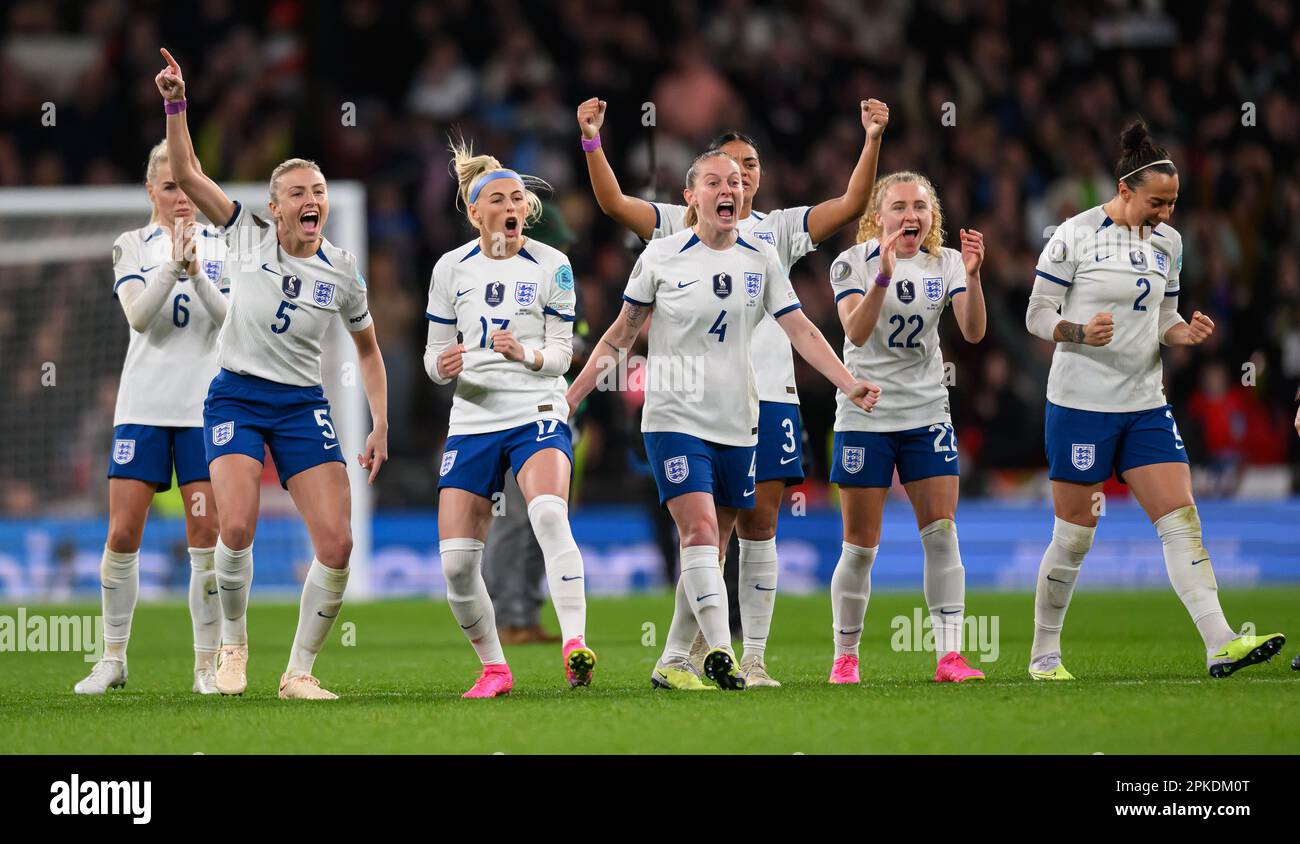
x,y
698,532
1072,538
236,533
335,547
123,538
756,526
202,536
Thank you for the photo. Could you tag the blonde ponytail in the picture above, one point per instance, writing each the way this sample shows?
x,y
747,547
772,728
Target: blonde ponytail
x,y
468,167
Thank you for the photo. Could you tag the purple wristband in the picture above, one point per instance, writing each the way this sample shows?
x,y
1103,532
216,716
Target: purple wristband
x,y
882,280
173,108
591,145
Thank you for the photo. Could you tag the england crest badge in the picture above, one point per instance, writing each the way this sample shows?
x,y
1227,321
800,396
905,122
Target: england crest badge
x,y
1083,455
676,469
212,269
852,459
222,433
753,284
933,287
123,451
323,295
448,460
525,293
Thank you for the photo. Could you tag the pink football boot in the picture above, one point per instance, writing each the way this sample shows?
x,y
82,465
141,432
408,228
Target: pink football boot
x,y
845,670
954,668
579,662
495,681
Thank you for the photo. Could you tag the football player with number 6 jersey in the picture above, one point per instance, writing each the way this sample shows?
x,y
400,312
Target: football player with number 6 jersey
x,y
709,288
501,312
288,285
1106,293
890,290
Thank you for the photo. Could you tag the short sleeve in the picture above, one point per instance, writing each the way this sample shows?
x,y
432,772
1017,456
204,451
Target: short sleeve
x,y
954,273
640,288
126,262
1058,261
779,297
245,231
669,219
793,240
441,307
848,276
356,309
563,299
1175,257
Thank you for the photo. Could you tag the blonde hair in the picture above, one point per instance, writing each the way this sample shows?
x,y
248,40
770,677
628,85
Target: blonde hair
x,y
468,167
157,158
287,165
867,226
692,217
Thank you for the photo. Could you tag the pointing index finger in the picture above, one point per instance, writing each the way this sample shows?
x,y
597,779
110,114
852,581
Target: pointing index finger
x,y
171,62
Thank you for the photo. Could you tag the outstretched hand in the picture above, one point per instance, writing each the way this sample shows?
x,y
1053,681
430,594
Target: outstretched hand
x,y
170,82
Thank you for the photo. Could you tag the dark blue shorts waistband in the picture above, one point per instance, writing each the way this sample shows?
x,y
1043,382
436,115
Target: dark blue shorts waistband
x,y
239,379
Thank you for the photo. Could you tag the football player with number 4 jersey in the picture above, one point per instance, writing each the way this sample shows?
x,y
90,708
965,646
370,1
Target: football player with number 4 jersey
x,y
890,290
169,279
709,288
501,311
793,233
288,285
1106,293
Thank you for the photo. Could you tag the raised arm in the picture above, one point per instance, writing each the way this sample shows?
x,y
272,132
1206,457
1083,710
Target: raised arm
x,y
613,344
812,347
631,212
830,216
202,191
972,318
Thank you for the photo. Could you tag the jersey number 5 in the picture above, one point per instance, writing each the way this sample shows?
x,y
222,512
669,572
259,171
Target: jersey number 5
x,y
282,313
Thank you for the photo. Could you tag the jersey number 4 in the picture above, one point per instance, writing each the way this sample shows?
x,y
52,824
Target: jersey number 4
x,y
719,327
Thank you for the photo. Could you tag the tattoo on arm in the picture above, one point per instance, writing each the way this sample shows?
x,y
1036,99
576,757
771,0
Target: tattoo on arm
x,y
1068,332
611,345
635,315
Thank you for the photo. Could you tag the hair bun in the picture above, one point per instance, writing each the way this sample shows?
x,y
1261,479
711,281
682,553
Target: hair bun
x,y
1134,138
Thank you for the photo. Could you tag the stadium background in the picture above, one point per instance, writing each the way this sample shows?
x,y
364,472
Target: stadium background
x,y
1040,92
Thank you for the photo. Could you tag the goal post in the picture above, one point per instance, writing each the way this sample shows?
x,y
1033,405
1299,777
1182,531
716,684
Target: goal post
x,y
55,274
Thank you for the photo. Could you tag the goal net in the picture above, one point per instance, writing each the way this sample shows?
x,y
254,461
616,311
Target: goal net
x,y
63,338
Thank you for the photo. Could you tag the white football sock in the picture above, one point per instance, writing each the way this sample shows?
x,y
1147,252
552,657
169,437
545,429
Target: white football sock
x,y
119,581
322,597
549,515
462,566
684,627
850,592
945,585
205,607
1057,574
758,575
707,593
1190,572
234,582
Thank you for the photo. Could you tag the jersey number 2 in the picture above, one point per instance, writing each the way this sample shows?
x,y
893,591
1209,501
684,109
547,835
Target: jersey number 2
x,y
1145,284
899,326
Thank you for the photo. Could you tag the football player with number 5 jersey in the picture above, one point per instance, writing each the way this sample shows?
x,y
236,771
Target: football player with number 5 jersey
x,y
1106,293
890,290
501,311
793,233
288,285
709,288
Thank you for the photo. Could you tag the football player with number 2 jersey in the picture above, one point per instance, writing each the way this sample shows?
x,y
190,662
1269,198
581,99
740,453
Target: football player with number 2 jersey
x,y
288,285
793,233
501,312
1106,293
890,290
709,288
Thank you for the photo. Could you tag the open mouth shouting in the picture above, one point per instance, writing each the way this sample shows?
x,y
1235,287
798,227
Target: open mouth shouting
x,y
911,238
726,211
512,226
310,222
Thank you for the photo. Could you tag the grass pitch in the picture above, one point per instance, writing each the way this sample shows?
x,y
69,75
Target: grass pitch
x,y
1142,688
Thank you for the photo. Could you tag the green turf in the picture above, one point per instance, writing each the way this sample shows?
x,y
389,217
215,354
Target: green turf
x,y
1142,688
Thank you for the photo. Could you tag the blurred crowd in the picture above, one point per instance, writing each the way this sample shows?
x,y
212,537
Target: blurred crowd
x,y
1013,109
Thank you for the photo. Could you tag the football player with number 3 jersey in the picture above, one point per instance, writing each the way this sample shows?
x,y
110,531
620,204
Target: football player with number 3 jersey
x,y
169,279
890,290
709,288
288,284
792,232
1106,292
501,311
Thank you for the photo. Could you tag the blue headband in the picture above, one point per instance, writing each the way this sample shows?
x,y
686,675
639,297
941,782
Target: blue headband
x,y
488,177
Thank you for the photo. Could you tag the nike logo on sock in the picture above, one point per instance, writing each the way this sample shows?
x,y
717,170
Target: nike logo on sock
x,y
566,578
850,632
764,588
107,587
212,591
1054,580
231,588
468,626
949,612
1203,559
702,597
323,615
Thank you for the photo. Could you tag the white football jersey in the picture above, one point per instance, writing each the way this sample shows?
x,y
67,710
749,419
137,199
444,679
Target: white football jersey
x,y
902,354
281,306
785,230
1108,268
707,308
168,365
519,294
